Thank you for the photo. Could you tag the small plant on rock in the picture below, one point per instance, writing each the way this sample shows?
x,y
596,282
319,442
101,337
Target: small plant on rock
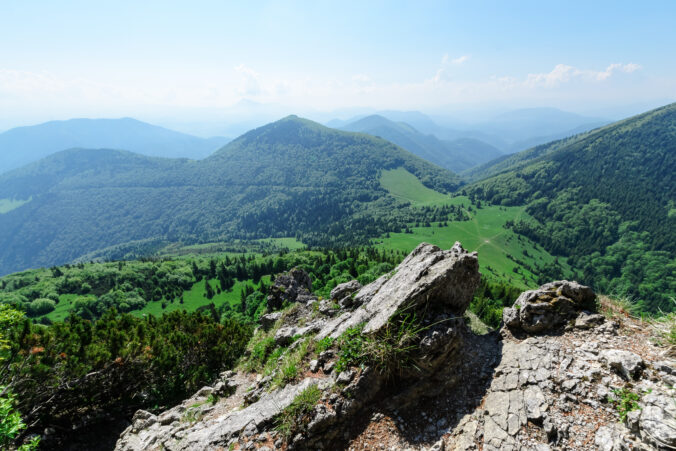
x,y
295,416
625,401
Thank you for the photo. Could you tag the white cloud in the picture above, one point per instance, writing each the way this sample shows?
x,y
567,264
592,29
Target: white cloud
x,y
563,73
251,85
459,60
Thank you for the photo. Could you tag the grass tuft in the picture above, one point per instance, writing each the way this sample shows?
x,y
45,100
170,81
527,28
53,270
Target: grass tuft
x,y
294,416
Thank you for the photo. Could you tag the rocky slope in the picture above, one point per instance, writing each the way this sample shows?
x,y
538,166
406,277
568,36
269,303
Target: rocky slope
x,y
393,365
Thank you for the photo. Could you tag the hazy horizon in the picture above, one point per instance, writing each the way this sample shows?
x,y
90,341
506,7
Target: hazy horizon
x,y
208,62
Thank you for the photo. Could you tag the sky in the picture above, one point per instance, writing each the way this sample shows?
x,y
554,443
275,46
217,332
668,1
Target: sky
x,y
193,60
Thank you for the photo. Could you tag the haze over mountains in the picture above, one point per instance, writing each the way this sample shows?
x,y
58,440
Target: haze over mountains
x,y
509,132
23,145
456,155
589,193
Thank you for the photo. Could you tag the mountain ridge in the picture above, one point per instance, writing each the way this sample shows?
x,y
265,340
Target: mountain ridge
x,y
23,145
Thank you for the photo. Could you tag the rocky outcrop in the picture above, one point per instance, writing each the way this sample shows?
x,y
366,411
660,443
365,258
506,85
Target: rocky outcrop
x,y
288,288
557,376
429,282
431,287
550,306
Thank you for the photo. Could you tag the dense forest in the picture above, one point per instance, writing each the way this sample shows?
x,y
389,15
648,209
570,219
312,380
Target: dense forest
x,y
605,200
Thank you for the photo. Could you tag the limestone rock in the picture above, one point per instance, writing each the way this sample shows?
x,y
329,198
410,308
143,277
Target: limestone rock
x,y
342,294
657,421
291,287
548,307
444,281
625,363
268,320
588,320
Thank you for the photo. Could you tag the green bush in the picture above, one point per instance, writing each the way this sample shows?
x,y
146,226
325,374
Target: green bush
x,y
40,306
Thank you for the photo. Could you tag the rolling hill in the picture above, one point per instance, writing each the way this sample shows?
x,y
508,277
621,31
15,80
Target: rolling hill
x,y
289,178
22,145
456,155
606,199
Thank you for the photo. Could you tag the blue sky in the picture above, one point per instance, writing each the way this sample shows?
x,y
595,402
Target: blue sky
x,y
83,58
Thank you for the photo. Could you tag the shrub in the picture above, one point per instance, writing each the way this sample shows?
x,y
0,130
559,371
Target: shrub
x,y
40,306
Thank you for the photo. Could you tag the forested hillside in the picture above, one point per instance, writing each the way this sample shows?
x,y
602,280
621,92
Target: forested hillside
x,y
290,178
456,155
607,200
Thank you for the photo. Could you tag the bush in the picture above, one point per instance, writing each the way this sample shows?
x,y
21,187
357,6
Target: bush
x,y
40,306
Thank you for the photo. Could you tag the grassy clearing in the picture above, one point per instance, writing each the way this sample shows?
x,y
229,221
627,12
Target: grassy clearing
x,y
497,246
7,205
503,254
195,298
289,243
406,187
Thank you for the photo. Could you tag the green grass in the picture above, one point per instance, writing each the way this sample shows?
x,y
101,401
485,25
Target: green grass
x,y
483,233
7,205
289,243
194,298
63,307
406,187
293,417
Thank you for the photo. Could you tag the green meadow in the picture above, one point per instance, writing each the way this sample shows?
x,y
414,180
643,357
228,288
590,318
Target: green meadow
x,y
497,246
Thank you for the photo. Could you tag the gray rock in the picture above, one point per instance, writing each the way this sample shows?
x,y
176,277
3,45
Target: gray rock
x,y
657,421
430,276
288,287
342,293
608,439
314,365
665,367
625,363
510,316
550,306
269,319
345,377
204,392
588,320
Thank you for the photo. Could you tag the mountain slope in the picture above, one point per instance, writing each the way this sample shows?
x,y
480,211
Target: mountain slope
x,y
605,198
289,178
456,155
23,145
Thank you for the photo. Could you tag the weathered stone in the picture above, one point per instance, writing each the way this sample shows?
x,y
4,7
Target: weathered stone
x,y
550,306
588,320
510,316
608,439
429,276
288,287
342,294
625,363
269,319
657,421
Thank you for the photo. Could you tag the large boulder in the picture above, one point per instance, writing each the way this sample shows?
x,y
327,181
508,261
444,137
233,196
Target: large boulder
x,y
291,287
428,282
549,307
432,285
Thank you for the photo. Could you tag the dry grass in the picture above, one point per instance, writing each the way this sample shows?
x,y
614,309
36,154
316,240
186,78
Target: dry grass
x,y
661,329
